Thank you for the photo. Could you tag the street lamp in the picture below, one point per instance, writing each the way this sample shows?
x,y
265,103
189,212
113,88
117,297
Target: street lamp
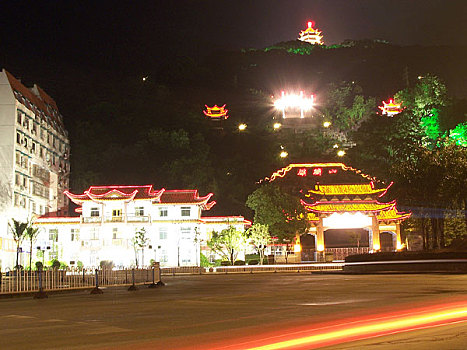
x,y
341,153
327,124
277,126
283,154
242,127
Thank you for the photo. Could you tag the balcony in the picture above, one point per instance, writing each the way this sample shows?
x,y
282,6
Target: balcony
x,y
138,218
91,219
113,218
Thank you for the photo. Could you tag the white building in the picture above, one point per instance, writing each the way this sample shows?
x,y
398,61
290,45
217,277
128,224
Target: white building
x,y
109,217
34,164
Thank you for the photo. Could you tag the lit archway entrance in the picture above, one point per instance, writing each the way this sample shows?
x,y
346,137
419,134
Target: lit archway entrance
x,y
339,197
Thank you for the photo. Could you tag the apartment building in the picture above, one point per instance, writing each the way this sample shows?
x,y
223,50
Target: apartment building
x,y
34,158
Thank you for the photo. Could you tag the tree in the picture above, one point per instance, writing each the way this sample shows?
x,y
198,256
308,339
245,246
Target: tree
x,y
139,241
227,243
282,212
31,234
17,229
259,236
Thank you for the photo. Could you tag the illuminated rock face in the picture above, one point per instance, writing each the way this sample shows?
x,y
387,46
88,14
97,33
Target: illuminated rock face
x,y
337,196
109,216
311,35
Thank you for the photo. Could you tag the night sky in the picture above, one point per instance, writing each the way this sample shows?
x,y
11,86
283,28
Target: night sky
x,y
134,36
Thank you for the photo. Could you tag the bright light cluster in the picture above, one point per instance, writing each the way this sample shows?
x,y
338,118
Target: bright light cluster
x,y
391,108
294,101
311,35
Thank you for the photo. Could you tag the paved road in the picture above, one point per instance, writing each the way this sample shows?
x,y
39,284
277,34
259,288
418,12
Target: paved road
x,y
212,311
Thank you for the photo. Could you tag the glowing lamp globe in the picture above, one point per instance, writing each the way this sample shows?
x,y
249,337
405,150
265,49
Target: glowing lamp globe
x,y
283,154
242,127
341,153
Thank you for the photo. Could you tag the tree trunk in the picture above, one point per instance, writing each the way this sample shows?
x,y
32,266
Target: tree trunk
x,y
142,257
434,228
442,241
17,256
424,234
30,258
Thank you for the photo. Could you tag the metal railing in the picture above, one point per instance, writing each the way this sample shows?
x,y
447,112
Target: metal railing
x,y
18,281
194,270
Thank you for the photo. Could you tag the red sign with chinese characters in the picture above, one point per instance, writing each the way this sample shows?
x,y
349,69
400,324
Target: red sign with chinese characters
x,y
317,171
302,172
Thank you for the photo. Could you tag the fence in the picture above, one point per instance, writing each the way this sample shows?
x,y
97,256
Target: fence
x,y
18,281
253,268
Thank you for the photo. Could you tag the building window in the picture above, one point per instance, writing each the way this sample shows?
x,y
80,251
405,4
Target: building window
x,y
18,138
74,234
163,212
117,212
34,128
139,211
18,117
115,233
33,207
17,179
53,235
18,158
33,147
186,211
185,232
94,234
26,123
162,233
164,257
94,212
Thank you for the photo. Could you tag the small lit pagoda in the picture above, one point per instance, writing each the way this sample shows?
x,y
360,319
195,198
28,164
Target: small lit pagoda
x,y
216,112
391,108
340,199
311,35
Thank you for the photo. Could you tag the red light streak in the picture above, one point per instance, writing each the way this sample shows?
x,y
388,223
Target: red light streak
x,y
361,328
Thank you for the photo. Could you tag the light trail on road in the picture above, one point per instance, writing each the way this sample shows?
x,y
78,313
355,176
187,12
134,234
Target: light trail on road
x,y
361,328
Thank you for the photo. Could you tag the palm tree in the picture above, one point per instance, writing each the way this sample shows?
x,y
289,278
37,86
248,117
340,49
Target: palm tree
x,y
17,229
31,233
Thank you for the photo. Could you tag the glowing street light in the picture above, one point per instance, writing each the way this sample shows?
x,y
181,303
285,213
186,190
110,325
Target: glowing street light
x,y
145,78
327,124
341,153
277,126
294,101
242,127
283,154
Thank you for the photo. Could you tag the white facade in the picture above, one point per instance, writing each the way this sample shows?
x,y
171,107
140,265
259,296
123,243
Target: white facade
x,y
110,217
34,163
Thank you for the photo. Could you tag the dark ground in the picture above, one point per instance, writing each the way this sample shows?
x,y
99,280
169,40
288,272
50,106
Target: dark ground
x,y
199,312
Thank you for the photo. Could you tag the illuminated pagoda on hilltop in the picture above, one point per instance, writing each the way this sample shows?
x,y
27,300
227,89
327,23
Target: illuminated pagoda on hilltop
x,y
311,35
343,203
216,112
391,108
